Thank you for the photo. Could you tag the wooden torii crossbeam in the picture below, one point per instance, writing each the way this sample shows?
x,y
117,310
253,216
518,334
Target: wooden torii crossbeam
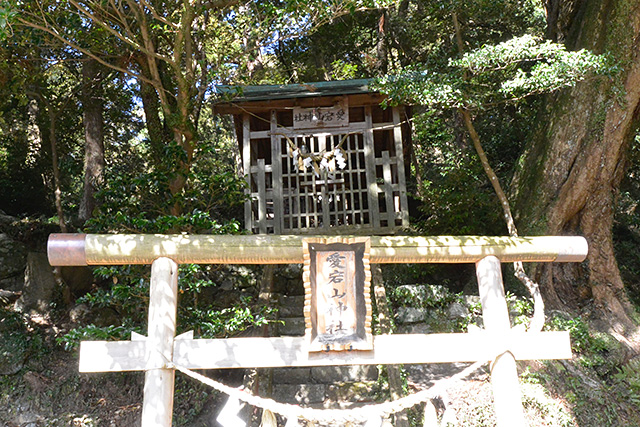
x,y
156,353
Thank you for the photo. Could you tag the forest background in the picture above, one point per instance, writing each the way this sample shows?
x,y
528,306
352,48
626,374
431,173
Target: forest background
x,y
107,126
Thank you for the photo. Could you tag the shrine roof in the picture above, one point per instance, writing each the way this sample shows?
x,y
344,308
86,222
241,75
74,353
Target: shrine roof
x,y
226,93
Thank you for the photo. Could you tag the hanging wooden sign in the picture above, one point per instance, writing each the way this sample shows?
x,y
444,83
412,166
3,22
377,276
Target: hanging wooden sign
x,y
337,281
321,117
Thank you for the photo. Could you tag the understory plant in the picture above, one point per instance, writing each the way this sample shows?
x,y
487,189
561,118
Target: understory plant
x,y
135,198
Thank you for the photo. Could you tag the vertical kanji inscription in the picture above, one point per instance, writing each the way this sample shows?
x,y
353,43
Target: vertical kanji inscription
x,y
337,283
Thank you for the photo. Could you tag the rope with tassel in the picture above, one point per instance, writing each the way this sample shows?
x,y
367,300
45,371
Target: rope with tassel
x,y
325,160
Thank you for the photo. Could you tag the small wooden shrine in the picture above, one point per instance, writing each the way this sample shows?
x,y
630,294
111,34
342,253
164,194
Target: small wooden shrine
x,y
320,158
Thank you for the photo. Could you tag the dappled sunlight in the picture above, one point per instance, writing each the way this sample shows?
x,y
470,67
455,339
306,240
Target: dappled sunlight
x,y
112,356
240,352
630,338
494,305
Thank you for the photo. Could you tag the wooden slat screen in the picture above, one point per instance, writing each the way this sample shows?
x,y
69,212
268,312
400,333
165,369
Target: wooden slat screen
x,y
368,195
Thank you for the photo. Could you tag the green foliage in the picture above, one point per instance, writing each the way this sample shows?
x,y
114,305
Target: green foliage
x,y
128,298
342,48
8,14
628,377
451,177
191,397
380,41
136,198
508,71
20,340
211,323
600,384
342,70
581,339
35,86
71,339
423,296
14,338
594,350
523,308
543,408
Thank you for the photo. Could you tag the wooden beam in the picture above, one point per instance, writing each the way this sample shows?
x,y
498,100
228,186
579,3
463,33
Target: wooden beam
x,y
285,104
121,249
402,182
388,190
246,169
157,406
370,170
495,316
262,197
354,127
256,352
276,175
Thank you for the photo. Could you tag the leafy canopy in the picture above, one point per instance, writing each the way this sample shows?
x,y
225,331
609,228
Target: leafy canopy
x,y
494,74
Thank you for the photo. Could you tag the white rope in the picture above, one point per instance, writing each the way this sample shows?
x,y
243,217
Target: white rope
x,y
360,414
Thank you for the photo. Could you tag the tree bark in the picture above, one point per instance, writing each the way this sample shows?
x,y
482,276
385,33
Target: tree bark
x,y
163,130
34,138
57,187
151,106
94,137
381,46
572,168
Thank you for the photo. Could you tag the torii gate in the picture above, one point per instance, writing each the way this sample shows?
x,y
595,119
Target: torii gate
x,y
161,350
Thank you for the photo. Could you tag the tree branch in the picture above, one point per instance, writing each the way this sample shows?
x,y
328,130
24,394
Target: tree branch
x,y
159,17
143,48
156,80
121,17
537,321
75,46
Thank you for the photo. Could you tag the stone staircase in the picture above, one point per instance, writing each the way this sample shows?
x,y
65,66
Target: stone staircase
x,y
318,386
351,386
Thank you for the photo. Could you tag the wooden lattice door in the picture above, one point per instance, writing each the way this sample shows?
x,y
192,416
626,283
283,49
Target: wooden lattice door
x,y
367,194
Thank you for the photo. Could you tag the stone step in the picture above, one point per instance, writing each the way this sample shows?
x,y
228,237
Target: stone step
x,y
305,394
291,306
336,395
293,326
325,374
335,374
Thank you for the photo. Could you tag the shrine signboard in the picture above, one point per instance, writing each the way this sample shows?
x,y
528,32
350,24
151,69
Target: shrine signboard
x,y
337,280
321,117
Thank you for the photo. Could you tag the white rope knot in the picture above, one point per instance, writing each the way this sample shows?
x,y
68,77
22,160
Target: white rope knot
x,y
329,161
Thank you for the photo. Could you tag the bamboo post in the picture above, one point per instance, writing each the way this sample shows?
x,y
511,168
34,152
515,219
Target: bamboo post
x,y
495,314
157,407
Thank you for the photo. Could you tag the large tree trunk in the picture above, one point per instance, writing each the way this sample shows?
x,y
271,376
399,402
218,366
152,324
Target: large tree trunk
x,y
55,165
94,137
572,168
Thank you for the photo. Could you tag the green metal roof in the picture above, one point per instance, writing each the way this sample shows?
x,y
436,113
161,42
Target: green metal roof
x,y
302,90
